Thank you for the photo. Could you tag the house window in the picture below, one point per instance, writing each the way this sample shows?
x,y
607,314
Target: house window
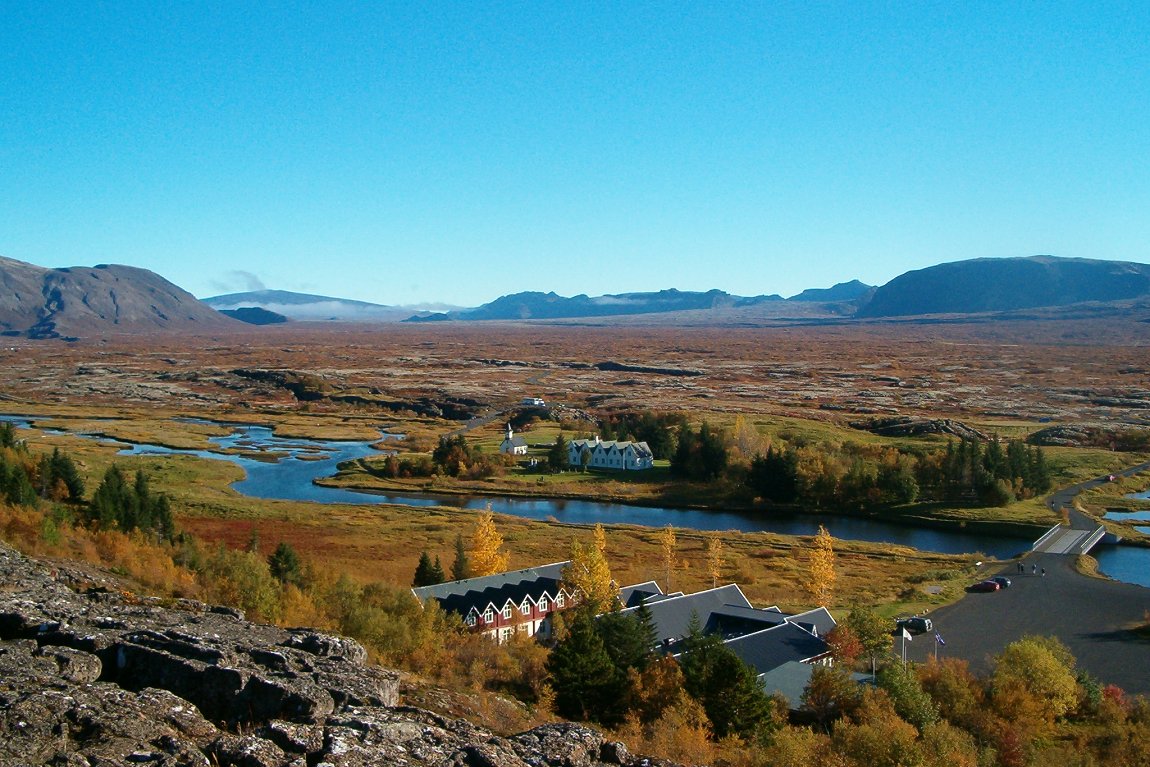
x,y
489,616
471,619
559,599
525,607
507,613
543,604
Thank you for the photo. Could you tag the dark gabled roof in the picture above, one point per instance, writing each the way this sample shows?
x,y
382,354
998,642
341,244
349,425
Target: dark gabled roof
x,y
736,620
631,596
443,590
477,593
516,441
817,621
770,648
672,615
497,596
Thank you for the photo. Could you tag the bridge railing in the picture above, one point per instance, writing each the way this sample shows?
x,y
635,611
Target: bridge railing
x,y
1091,540
1047,536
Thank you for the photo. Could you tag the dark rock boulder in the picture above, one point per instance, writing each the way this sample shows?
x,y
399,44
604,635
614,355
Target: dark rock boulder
x,y
905,426
101,677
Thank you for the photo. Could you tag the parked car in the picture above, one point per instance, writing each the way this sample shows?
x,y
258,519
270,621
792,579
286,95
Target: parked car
x,y
984,586
915,625
1002,581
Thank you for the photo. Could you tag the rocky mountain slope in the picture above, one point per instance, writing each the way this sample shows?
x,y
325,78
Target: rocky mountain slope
x,y
87,301
1005,284
90,675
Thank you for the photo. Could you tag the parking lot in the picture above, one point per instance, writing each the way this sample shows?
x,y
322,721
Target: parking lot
x,y
1092,616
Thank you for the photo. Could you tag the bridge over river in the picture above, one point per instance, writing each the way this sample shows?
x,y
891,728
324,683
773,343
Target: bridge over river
x,y
1082,533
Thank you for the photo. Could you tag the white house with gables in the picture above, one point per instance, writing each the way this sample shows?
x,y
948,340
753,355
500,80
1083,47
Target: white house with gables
x,y
620,456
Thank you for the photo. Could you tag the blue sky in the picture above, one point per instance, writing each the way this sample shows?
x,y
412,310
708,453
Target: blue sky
x,y
405,153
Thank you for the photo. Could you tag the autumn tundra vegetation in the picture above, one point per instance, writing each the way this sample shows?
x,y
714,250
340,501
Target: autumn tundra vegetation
x,y
722,439
704,706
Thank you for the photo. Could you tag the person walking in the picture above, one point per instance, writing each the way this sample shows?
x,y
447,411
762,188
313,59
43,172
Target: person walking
x,y
1033,569
1044,572
1021,568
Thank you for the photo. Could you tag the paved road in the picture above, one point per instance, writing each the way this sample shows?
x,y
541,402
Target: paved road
x,y
1090,615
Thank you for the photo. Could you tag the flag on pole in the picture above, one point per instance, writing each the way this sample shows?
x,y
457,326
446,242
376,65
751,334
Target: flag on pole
x,y
906,635
938,639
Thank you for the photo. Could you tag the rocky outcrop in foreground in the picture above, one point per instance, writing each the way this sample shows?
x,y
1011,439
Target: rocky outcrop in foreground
x,y
99,677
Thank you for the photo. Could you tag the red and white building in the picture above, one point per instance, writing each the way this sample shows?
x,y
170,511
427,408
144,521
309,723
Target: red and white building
x,y
505,604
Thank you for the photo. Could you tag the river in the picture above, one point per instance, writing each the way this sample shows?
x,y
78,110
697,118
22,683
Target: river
x,y
283,468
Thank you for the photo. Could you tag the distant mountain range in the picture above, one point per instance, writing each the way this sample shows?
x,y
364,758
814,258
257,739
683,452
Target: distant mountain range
x,y
550,306
69,302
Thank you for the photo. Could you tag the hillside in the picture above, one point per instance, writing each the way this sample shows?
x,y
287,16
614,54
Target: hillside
x,y
86,301
1006,284
92,674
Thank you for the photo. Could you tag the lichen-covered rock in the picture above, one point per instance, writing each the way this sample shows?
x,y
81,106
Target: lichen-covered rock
x,y
102,678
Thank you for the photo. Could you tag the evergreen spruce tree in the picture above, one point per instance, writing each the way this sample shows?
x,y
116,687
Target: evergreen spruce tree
x,y
460,568
558,458
64,470
424,572
586,684
625,641
285,565
437,571
647,629
723,684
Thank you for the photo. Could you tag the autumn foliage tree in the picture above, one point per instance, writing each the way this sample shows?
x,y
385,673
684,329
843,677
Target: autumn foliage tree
x,y
487,556
714,558
821,571
667,547
589,575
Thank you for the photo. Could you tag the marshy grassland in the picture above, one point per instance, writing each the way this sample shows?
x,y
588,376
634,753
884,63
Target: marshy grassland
x,y
383,542
790,385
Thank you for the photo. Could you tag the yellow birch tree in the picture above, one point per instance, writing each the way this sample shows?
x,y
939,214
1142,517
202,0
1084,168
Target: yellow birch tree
x,y
667,542
821,581
589,574
600,538
746,439
714,558
487,556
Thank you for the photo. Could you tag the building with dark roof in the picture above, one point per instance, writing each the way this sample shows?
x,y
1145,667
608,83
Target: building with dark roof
x,y
505,604
763,638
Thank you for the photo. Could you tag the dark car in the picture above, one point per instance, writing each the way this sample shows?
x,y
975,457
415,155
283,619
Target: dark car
x,y
915,625
1002,581
984,586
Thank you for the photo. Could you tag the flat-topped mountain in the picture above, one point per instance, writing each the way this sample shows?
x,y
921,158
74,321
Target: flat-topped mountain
x,y
308,307
1006,284
85,301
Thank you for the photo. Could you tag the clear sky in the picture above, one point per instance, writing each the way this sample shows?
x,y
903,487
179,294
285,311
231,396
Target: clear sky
x,y
413,152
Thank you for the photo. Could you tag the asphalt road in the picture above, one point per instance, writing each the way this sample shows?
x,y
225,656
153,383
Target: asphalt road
x,y
1091,616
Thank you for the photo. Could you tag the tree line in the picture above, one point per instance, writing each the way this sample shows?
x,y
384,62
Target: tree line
x,y
854,475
